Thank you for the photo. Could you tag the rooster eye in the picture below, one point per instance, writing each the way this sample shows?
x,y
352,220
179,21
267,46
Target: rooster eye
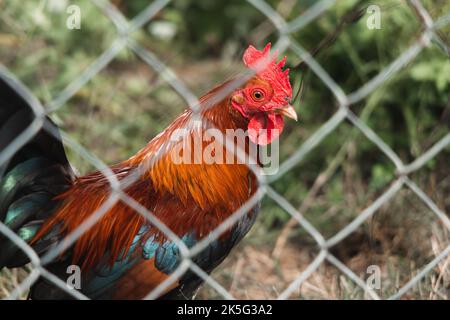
x,y
257,95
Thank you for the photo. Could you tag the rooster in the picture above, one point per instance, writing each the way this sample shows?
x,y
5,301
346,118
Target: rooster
x,y
123,255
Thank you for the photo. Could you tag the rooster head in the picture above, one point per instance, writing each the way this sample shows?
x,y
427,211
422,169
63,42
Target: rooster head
x,y
264,99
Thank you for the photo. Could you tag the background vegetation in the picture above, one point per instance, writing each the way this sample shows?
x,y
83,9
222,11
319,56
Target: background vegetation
x,y
128,103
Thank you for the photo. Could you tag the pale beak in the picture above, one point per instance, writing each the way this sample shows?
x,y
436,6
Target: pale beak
x,y
289,112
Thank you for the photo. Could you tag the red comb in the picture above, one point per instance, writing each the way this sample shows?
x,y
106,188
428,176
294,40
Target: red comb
x,y
252,55
267,68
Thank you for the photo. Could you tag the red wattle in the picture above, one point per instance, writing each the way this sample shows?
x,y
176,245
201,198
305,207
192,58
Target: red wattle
x,y
264,127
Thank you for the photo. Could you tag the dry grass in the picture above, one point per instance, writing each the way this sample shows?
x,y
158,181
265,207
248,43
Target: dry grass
x,y
10,279
253,273
401,238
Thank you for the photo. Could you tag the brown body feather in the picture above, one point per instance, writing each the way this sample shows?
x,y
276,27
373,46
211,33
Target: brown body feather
x,y
186,197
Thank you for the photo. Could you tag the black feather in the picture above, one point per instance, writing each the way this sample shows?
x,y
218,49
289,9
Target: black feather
x,y
30,179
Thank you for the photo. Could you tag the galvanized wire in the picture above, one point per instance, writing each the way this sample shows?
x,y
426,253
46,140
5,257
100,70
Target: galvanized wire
x,y
125,29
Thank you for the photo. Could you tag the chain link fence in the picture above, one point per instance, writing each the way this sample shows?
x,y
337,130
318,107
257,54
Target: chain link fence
x,y
125,28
